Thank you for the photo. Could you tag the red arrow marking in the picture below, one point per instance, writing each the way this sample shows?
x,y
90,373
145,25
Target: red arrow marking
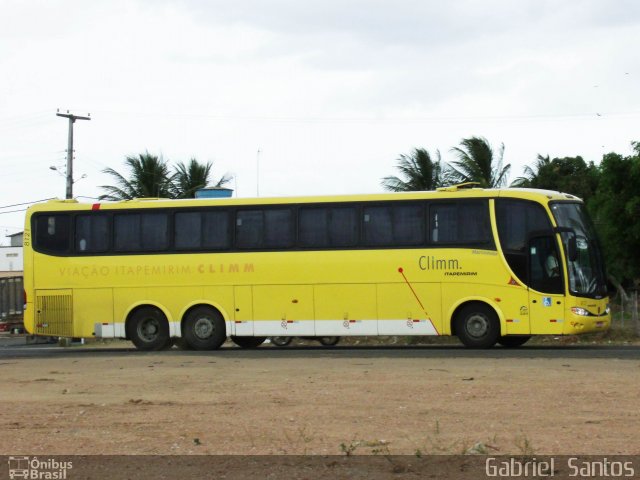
x,y
401,270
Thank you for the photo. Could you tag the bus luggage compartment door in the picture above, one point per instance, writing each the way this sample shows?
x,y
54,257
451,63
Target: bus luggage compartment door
x,y
243,311
54,313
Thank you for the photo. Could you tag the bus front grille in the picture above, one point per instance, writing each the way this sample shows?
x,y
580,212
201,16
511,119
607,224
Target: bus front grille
x,y
54,313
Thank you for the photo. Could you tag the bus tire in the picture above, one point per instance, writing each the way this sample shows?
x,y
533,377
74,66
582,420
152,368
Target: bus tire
x,y
281,341
477,326
148,329
329,341
248,342
512,341
204,329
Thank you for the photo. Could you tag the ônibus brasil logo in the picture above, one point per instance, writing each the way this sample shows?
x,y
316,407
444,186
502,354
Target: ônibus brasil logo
x,y
38,469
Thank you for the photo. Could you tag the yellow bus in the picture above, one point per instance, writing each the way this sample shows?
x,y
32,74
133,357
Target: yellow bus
x,y
489,266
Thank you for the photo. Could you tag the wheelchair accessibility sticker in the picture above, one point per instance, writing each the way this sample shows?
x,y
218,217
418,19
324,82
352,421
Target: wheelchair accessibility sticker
x,y
546,301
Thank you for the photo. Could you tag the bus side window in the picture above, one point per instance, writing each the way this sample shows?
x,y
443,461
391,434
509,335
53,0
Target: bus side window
x,y
268,228
332,227
444,223
394,225
207,230
141,232
92,233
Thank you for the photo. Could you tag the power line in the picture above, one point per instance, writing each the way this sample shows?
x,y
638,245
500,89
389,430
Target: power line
x,y
27,203
14,211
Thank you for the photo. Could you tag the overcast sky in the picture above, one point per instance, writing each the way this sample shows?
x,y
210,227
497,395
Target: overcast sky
x,y
331,92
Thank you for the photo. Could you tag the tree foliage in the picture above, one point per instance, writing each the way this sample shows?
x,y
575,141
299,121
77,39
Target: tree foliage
x,y
148,176
478,162
418,171
193,176
615,208
151,176
568,174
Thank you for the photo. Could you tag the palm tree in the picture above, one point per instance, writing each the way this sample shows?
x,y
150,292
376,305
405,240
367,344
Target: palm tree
x,y
148,177
189,178
531,174
418,172
477,162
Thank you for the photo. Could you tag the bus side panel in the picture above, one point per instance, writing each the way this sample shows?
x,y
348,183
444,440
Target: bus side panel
x,y
405,309
345,310
283,310
221,298
91,306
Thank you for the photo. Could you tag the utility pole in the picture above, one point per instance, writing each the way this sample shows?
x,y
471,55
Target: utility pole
x,y
72,119
258,172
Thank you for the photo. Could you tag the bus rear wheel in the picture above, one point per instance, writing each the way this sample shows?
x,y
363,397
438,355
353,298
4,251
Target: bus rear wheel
x,y
477,326
512,341
204,329
248,342
148,329
329,341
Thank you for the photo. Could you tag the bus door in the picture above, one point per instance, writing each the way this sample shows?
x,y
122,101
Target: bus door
x,y
546,286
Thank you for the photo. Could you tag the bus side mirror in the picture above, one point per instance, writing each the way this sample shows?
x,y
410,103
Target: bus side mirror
x,y
572,248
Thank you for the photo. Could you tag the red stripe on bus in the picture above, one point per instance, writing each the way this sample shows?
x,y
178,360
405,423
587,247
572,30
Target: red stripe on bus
x,y
95,206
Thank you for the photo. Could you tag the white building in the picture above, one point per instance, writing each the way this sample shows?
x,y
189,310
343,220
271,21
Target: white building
x,y
11,258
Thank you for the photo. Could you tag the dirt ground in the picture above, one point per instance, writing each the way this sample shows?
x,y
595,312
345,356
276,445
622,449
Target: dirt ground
x,y
180,403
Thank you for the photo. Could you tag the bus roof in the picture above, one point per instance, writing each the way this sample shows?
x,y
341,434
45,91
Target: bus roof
x,y
541,196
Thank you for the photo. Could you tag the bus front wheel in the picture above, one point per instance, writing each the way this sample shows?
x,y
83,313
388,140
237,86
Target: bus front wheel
x,y
477,326
204,329
148,329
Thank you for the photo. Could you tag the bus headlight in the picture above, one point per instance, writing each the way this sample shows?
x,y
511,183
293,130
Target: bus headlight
x,y
608,309
580,311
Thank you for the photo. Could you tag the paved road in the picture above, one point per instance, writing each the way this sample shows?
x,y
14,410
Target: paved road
x,y
15,348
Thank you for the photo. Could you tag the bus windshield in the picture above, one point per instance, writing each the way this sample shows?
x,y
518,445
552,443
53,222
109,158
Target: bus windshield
x,y
586,272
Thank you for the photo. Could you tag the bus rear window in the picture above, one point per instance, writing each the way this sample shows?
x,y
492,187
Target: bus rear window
x,y
52,233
